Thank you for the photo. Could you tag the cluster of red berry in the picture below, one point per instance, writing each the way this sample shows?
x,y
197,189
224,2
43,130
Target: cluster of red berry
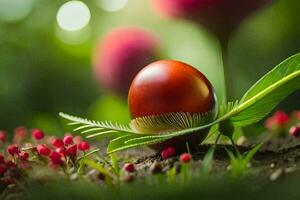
x,y
26,151
170,152
280,122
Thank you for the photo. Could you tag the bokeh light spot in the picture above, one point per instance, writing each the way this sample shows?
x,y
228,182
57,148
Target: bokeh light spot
x,y
74,37
112,5
14,10
73,16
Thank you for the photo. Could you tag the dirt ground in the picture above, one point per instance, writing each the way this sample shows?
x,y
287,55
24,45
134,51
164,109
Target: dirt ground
x,y
277,157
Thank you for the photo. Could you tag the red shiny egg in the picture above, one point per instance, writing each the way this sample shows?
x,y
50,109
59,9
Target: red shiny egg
x,y
169,86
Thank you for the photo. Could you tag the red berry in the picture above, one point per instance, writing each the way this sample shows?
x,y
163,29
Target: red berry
x,y
83,146
61,150
279,119
3,169
43,150
11,164
68,139
37,134
3,136
57,142
24,155
185,158
121,55
2,159
71,150
168,152
295,131
20,134
56,158
129,167
13,149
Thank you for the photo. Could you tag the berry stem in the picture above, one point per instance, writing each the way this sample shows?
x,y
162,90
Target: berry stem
x,y
218,137
235,147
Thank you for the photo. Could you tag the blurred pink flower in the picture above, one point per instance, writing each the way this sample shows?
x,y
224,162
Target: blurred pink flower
x,y
220,16
121,54
279,119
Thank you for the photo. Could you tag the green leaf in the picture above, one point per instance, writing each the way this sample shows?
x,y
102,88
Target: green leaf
x,y
115,164
207,161
251,154
126,142
118,143
267,93
97,167
88,154
97,128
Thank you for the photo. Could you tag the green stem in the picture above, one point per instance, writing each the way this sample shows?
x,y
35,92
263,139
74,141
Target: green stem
x,y
218,137
235,147
227,79
184,172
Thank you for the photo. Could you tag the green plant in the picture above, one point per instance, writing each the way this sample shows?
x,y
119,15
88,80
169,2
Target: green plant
x,y
207,162
256,104
239,163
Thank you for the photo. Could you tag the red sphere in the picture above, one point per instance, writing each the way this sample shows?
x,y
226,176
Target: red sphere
x,y
168,152
24,155
13,149
295,131
120,55
37,134
68,139
62,150
2,159
3,136
43,150
169,86
56,158
71,150
83,146
220,16
129,167
57,142
185,158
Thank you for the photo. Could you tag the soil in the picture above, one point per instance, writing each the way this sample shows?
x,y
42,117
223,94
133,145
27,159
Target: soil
x,y
277,157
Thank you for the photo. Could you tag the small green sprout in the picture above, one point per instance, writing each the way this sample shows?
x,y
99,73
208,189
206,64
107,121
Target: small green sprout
x,y
239,163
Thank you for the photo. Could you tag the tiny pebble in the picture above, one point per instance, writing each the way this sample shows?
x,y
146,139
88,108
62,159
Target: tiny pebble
x,y
272,165
249,165
228,168
275,175
155,168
